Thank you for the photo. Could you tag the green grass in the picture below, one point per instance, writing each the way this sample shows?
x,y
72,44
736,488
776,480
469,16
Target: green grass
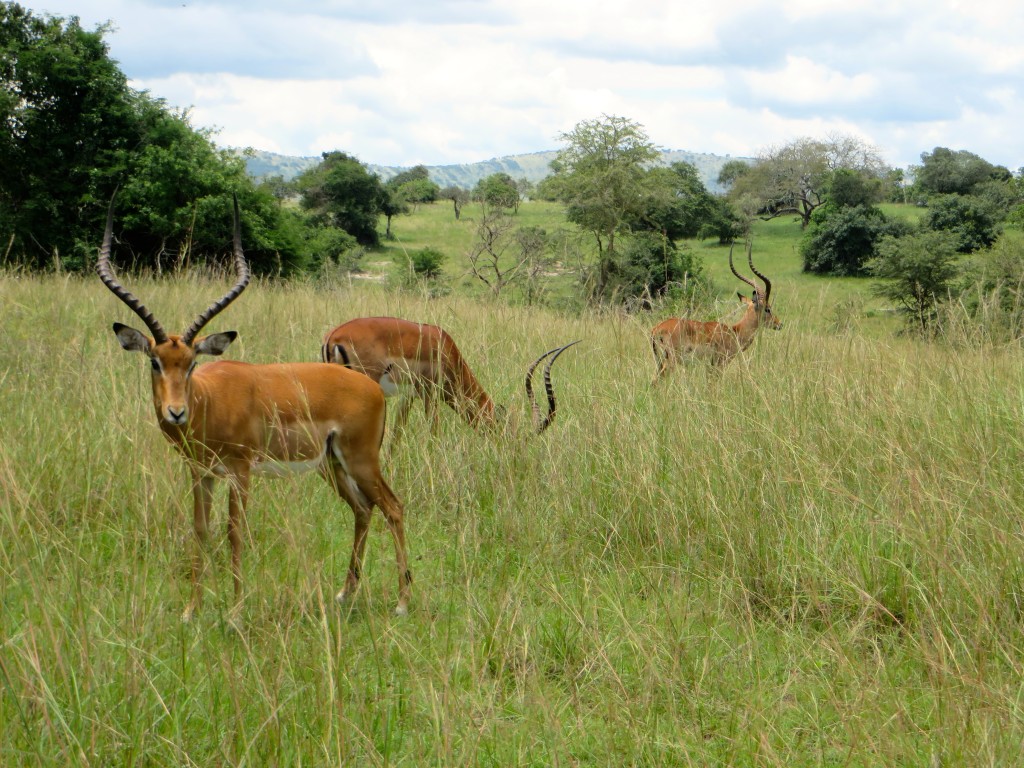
x,y
814,558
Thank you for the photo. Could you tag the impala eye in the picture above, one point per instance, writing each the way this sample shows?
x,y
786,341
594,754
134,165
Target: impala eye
x,y
156,364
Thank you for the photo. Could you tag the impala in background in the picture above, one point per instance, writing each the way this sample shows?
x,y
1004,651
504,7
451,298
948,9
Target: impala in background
x,y
393,351
716,342
230,419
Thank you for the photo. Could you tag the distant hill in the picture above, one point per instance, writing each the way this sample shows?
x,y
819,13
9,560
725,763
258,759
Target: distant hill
x,y
533,166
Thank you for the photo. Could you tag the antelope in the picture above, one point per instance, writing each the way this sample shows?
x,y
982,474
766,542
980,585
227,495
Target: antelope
x,y
391,351
717,342
231,419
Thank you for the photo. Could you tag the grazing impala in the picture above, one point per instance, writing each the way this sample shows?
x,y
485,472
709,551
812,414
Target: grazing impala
x,y
392,351
231,419
717,342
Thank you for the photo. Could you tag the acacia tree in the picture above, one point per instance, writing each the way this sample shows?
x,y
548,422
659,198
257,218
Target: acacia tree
x,y
796,178
602,177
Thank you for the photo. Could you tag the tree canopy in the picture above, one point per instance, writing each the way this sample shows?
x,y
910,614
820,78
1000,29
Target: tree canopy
x,y
796,178
73,131
340,192
947,172
601,176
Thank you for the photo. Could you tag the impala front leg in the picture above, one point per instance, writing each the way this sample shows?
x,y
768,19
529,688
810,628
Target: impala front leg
x,y
202,498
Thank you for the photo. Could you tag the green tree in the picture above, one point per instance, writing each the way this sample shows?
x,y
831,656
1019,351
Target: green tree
x,y
499,190
797,178
680,206
458,196
69,122
341,192
416,173
392,204
601,176
947,172
73,130
842,240
731,171
972,221
418,191
918,272
649,264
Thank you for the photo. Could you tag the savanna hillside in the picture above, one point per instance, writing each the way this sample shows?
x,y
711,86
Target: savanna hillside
x,y
812,558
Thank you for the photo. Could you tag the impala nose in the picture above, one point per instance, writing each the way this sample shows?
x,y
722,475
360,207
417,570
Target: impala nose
x,y
177,415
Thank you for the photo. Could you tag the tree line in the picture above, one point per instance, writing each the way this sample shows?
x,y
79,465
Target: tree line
x,y
74,132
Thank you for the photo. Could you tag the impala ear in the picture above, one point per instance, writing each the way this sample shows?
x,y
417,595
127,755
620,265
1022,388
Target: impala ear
x,y
740,295
132,340
215,343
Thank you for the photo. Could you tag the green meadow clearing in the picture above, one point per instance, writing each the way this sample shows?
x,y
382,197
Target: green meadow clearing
x,y
814,558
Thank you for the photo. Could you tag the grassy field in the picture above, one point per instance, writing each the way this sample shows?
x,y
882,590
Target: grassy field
x,y
815,558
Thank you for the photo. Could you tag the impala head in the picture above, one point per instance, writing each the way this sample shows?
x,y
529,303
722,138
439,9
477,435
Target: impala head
x,y
759,299
172,357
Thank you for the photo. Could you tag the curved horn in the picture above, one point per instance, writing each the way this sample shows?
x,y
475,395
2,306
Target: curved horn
x,y
242,267
541,424
765,280
103,268
741,277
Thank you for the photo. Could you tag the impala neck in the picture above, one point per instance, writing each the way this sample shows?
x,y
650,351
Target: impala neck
x,y
477,403
747,326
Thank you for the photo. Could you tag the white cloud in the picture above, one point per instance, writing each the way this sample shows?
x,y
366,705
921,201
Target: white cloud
x,y
464,80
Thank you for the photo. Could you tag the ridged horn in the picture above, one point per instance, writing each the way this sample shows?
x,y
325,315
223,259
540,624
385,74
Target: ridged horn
x,y
746,280
541,424
765,280
107,276
241,266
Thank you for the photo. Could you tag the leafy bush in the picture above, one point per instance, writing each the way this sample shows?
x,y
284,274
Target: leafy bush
x,y
919,271
650,265
333,246
973,221
427,263
841,240
991,290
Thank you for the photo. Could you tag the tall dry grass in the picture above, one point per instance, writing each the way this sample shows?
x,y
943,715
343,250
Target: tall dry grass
x,y
812,558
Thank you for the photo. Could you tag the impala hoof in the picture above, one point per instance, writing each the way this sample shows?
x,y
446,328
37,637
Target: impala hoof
x,y
401,610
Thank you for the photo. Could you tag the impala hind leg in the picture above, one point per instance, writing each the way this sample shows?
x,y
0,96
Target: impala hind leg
x,y
341,482
394,513
238,500
358,480
202,499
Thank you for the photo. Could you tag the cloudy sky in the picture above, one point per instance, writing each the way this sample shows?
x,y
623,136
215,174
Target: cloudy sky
x,y
456,81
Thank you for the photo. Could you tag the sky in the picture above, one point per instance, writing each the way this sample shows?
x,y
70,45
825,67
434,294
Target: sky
x,y
438,82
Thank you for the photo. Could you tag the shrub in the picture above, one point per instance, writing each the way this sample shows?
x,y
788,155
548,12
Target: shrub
x,y
841,240
427,263
973,221
919,271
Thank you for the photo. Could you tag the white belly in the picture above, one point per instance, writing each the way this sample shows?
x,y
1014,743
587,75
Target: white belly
x,y
283,468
